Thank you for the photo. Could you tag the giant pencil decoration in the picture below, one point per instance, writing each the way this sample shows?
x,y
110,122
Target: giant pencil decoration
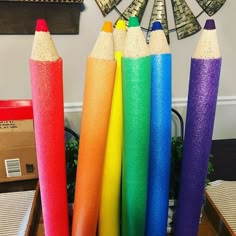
x,y
136,75
160,133
109,214
100,75
48,110
202,97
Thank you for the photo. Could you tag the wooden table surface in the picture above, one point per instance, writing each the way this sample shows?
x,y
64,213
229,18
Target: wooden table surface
x,y
205,228
36,227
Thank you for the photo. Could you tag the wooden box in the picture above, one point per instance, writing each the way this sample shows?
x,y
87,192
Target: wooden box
x,y
20,208
216,218
19,16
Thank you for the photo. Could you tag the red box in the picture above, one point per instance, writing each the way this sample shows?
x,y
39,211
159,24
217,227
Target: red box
x,y
17,143
16,110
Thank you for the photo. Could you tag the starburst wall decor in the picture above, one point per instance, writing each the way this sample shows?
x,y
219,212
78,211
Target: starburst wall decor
x,y
186,23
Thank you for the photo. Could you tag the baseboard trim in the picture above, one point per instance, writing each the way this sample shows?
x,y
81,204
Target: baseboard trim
x,y
176,102
222,100
73,107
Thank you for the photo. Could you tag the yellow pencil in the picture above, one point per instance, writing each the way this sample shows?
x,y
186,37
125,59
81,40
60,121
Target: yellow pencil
x,y
109,214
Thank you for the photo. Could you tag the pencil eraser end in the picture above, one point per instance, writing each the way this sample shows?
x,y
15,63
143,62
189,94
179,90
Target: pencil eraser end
x,y
210,24
121,25
41,25
156,26
107,26
133,21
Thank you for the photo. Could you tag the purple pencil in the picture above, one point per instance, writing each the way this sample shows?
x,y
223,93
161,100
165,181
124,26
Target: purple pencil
x,y
202,98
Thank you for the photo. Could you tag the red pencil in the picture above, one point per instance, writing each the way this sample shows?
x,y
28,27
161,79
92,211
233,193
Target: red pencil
x,y
48,111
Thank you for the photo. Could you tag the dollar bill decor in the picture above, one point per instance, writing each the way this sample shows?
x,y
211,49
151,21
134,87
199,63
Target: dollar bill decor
x,y
136,8
211,6
106,6
186,23
159,13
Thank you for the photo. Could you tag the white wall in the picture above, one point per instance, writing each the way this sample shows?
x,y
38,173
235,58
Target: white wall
x,y
15,53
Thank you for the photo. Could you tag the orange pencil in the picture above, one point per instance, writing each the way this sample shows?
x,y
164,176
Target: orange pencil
x,y
99,82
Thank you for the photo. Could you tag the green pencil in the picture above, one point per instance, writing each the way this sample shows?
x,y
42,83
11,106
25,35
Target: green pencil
x,y
136,74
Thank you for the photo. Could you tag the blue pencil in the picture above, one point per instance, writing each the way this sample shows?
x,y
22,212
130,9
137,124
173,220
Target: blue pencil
x,y
160,133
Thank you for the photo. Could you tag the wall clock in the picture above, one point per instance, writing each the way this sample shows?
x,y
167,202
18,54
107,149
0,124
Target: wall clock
x,y
186,23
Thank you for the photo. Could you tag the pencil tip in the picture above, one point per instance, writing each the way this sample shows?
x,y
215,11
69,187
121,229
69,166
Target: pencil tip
x,y
157,26
107,26
133,21
121,25
210,24
41,25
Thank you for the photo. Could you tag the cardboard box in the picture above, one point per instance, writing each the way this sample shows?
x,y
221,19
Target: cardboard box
x,y
18,163
17,142
16,133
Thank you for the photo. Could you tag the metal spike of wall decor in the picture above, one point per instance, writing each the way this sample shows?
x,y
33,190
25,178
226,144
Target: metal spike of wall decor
x,y
211,6
159,14
106,6
186,23
136,8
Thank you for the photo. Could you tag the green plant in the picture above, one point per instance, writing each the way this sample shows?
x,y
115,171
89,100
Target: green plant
x,y
72,146
177,152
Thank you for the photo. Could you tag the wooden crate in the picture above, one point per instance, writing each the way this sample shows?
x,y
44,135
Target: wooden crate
x,y
217,220
35,214
15,190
